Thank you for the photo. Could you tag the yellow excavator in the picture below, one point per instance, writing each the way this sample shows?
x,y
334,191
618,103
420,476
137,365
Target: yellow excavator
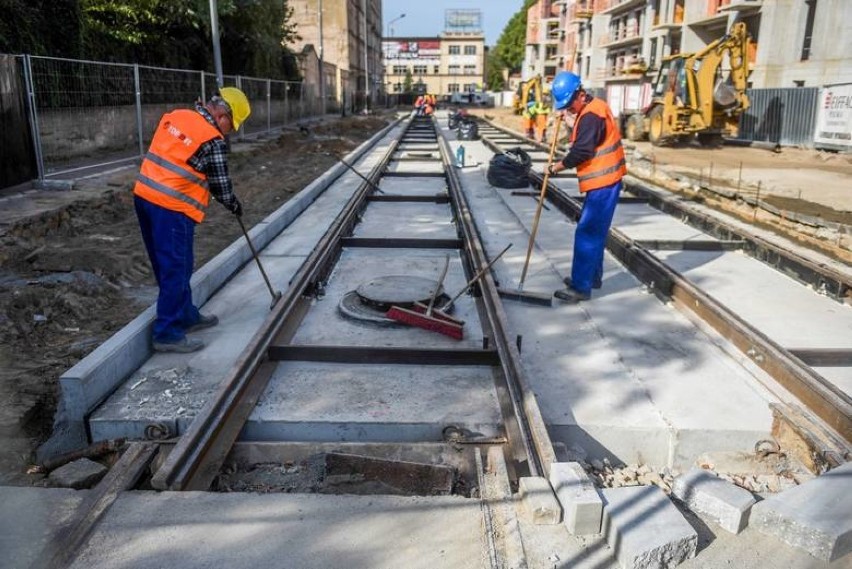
x,y
522,95
691,96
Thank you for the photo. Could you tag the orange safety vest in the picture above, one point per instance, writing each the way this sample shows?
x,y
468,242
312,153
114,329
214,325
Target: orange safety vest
x,y
165,178
607,166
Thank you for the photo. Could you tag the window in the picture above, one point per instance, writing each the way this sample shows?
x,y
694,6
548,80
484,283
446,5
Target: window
x,y
799,83
455,50
809,29
419,70
470,87
436,69
454,69
453,87
652,56
400,69
397,87
470,69
470,50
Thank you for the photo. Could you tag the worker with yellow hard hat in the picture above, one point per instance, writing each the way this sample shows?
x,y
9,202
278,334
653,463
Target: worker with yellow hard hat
x,y
186,163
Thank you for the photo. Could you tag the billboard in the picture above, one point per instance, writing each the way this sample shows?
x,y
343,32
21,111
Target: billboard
x,y
463,20
834,117
428,49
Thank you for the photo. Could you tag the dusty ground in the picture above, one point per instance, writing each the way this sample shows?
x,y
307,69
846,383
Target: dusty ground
x,y
73,269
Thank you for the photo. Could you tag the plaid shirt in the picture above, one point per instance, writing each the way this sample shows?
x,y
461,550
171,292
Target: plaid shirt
x,y
212,159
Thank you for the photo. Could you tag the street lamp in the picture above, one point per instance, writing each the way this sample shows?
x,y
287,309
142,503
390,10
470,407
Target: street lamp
x,y
390,25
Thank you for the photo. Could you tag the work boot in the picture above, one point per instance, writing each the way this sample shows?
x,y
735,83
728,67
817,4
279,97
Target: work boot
x,y
571,295
184,345
567,281
204,321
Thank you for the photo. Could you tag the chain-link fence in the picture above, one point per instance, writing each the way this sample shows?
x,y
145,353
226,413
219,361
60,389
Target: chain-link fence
x,y
87,114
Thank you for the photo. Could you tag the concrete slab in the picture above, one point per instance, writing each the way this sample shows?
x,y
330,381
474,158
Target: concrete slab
x,y
780,307
641,221
581,505
341,402
415,221
30,518
430,166
814,517
623,376
537,498
645,529
418,186
246,531
706,494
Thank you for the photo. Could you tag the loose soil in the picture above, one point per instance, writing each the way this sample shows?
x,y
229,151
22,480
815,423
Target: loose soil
x,y
73,269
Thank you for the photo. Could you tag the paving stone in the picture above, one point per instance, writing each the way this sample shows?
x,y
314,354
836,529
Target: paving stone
x,y
581,505
707,494
645,529
815,517
537,497
82,473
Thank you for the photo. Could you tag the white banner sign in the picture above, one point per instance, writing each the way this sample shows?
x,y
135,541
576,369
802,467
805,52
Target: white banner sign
x,y
834,117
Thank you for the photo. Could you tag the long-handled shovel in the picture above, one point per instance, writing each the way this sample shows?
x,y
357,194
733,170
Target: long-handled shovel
x,y
275,295
540,204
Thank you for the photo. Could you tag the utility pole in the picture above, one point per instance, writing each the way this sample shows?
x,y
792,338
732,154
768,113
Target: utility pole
x,y
321,75
366,62
217,52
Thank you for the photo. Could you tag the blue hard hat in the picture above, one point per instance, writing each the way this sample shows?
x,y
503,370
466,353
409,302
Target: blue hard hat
x,y
565,87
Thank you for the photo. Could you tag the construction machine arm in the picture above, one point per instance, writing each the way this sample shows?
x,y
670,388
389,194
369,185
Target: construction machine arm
x,y
705,65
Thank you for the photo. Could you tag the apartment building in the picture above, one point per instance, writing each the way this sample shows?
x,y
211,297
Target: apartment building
x,y
453,62
617,45
346,36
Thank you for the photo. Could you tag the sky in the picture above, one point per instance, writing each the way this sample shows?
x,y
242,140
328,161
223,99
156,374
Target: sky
x,y
426,18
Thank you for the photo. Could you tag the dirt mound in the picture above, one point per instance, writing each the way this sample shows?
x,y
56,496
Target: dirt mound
x,y
72,275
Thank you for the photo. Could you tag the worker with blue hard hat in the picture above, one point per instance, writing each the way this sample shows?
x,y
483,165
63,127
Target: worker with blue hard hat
x,y
597,154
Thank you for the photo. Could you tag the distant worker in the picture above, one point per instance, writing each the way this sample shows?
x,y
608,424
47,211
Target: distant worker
x,y
428,104
528,120
419,105
597,154
540,113
188,155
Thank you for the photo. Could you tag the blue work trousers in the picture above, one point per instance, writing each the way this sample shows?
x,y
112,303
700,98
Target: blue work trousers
x,y
590,236
168,237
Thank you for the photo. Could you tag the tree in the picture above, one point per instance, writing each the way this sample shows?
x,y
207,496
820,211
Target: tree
x,y
407,83
41,27
509,51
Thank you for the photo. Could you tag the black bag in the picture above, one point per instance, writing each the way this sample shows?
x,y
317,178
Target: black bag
x,y
468,130
453,120
510,169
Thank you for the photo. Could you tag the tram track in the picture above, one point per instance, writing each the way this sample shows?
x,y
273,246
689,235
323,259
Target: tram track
x,y
792,368
307,344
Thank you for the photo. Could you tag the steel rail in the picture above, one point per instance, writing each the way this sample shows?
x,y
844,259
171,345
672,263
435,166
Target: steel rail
x,y
826,400
197,457
531,435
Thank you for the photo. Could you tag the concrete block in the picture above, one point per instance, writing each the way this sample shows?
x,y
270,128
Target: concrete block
x,y
83,473
537,498
645,529
814,517
581,505
707,494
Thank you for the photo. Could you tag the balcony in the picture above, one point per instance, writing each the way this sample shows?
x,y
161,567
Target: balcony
x,y
616,6
740,6
621,36
582,11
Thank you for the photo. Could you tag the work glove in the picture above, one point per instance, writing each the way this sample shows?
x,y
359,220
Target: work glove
x,y
236,208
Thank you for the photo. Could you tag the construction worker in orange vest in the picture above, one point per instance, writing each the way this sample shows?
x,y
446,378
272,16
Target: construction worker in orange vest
x,y
528,120
540,112
186,163
597,154
419,105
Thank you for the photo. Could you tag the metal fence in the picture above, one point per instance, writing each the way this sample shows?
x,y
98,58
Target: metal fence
x,y
785,116
86,114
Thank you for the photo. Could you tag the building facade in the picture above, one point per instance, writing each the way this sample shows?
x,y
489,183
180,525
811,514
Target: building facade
x,y
453,62
346,35
617,45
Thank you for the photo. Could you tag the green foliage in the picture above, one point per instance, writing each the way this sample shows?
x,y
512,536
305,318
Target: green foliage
x,y
509,51
162,33
408,82
41,27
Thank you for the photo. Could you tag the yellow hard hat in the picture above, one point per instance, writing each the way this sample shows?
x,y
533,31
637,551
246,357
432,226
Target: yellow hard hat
x,y
237,100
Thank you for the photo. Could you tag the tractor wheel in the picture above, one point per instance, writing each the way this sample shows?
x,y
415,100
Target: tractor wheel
x,y
655,132
635,128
